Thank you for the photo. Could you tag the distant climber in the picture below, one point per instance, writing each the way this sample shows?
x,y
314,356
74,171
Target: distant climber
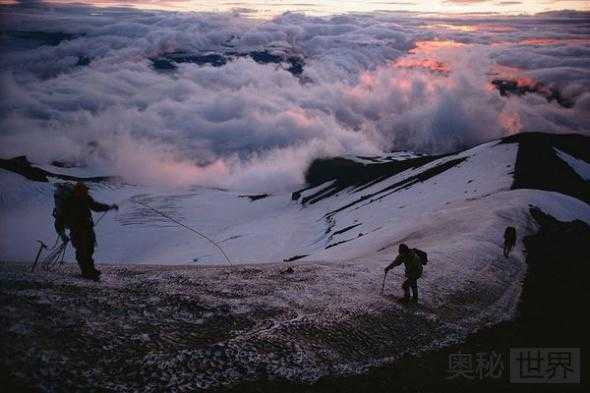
x,y
509,240
413,259
72,211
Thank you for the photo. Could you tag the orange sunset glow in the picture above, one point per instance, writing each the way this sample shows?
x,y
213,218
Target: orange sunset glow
x,y
269,8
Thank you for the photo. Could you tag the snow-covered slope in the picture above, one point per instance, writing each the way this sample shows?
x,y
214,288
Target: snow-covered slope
x,y
457,202
338,234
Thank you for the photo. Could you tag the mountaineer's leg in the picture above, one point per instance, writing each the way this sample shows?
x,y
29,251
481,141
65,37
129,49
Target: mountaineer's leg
x,y
79,242
83,241
414,286
406,288
91,246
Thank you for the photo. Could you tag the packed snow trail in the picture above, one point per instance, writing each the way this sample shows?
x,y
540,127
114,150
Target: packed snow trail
x,y
155,327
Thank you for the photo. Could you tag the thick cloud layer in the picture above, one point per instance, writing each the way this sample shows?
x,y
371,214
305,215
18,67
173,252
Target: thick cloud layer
x,y
79,84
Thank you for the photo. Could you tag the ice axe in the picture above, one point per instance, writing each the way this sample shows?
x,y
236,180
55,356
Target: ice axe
x,y
41,247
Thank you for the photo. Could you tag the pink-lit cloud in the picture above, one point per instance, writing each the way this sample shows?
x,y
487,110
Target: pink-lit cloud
x,y
370,83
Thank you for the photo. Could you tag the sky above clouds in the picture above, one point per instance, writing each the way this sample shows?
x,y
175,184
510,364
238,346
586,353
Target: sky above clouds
x,y
270,8
82,84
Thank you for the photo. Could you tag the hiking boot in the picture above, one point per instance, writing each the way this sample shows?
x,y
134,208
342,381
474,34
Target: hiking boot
x,y
91,275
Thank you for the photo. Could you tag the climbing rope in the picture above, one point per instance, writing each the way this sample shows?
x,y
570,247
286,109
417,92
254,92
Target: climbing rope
x,y
186,227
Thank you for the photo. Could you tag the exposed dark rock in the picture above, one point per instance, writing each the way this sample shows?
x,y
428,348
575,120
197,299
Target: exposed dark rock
x,y
376,159
265,57
323,193
42,37
539,167
169,61
163,64
341,169
406,183
349,173
337,243
254,197
83,61
23,167
294,258
508,87
64,164
296,65
556,283
346,229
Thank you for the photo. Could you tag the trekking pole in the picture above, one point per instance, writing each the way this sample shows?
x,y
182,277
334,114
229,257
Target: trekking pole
x,y
50,258
186,227
101,217
56,257
41,247
63,253
383,285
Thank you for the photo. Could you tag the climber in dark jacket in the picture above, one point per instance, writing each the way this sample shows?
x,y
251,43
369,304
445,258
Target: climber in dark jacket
x,y
413,265
76,216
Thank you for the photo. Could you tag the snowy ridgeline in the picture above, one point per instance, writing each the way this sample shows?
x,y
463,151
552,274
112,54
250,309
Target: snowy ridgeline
x,y
458,212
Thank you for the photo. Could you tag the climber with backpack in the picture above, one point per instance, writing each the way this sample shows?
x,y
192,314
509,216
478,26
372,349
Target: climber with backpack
x,y
73,206
413,260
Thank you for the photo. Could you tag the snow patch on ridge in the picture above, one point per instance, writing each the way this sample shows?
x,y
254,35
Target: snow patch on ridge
x,y
581,167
